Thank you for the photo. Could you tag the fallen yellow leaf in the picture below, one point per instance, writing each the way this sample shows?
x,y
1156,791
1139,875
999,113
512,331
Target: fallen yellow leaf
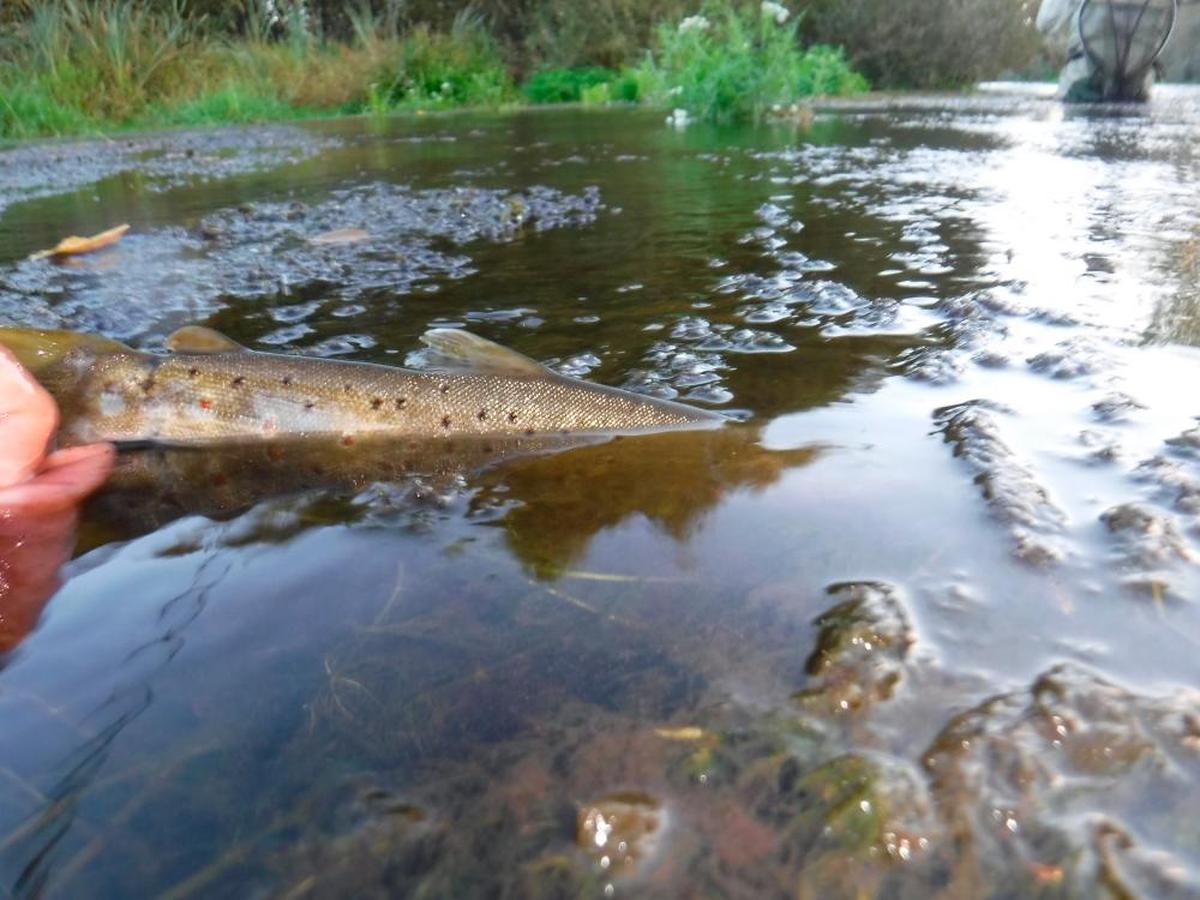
x,y
74,245
340,236
684,733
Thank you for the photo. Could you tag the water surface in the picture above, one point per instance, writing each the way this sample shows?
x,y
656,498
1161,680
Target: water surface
x,y
923,621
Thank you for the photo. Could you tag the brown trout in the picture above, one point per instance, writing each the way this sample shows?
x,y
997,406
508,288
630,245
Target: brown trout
x,y
210,390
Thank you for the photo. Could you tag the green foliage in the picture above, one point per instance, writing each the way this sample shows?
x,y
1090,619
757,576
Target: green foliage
x,y
928,43
439,70
105,58
735,62
28,111
567,33
78,65
567,85
232,102
823,71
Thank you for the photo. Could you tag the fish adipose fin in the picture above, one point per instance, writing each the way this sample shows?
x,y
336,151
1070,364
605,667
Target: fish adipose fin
x,y
198,339
454,348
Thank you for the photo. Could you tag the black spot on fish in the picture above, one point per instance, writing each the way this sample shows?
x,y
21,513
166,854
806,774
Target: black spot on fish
x,y
445,421
238,382
193,372
528,432
444,388
347,387
287,379
147,384
309,405
376,402
482,415
401,402
512,417
110,387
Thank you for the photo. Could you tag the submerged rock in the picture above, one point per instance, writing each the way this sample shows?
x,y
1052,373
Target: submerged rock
x,y
1148,543
278,254
1010,488
1050,784
861,646
1071,358
621,831
1116,407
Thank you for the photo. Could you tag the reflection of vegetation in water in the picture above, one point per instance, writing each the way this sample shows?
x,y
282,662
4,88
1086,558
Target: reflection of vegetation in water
x,y
555,505
1177,318
551,505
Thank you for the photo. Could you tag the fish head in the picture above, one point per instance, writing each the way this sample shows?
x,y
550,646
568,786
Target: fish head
x,y
43,350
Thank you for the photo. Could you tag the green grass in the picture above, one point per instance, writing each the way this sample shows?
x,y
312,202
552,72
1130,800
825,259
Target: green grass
x,y
568,85
230,103
73,66
432,70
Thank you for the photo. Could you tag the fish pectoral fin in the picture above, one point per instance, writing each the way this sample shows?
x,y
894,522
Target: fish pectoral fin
x,y
198,339
455,348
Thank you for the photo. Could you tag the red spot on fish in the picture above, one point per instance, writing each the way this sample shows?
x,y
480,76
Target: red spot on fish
x,y
220,480
275,453
206,404
347,440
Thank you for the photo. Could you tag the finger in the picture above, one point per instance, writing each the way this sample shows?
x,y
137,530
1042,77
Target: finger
x,y
68,477
28,418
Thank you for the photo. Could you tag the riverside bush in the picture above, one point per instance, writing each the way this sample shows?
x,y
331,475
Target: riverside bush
x,y
735,62
928,43
438,70
567,85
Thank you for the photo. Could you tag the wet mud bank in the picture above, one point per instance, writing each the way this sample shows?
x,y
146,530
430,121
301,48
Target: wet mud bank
x,y
923,621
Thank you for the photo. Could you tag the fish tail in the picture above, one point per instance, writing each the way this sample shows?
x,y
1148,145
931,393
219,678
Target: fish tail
x,y
38,349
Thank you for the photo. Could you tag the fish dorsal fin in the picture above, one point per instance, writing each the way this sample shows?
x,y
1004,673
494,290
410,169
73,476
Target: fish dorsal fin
x,y
198,339
457,349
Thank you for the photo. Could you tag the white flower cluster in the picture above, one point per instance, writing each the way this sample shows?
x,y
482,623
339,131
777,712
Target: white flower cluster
x,y
776,11
679,118
694,23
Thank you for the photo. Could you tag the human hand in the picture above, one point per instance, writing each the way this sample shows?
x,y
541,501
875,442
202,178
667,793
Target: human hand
x,y
39,498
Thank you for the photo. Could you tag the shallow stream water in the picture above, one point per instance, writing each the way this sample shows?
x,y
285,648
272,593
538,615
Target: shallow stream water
x,y
924,621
